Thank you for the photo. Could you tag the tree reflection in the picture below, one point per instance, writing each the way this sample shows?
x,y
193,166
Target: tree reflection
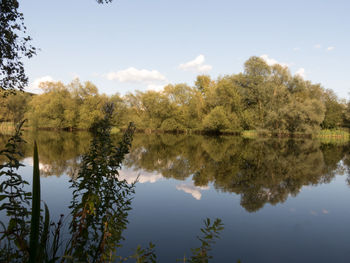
x,y
260,171
60,152
99,207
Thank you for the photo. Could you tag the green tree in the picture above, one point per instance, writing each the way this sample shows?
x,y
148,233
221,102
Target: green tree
x,y
155,108
256,92
203,82
334,111
47,110
73,106
14,45
216,120
13,106
120,118
347,115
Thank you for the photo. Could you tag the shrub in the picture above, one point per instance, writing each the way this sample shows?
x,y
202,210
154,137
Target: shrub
x,y
171,125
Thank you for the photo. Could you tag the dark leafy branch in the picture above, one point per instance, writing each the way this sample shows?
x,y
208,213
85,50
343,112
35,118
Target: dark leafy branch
x,y
100,200
15,202
15,44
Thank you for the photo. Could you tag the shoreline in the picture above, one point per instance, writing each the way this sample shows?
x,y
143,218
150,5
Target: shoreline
x,y
336,134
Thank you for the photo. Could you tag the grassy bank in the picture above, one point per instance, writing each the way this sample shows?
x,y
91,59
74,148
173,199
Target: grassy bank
x,y
333,136
336,133
323,135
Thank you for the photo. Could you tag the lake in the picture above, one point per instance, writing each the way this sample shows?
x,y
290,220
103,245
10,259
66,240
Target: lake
x,y
280,200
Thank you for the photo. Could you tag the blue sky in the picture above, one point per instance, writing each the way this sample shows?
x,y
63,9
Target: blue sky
x,y
135,44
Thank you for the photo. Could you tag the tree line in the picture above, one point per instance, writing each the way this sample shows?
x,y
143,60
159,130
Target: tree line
x,y
262,97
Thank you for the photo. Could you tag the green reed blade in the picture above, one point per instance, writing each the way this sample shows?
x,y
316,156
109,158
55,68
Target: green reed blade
x,y
35,221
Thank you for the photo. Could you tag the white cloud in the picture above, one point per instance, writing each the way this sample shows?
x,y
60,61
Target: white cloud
x,y
196,65
317,46
155,87
34,86
330,48
191,189
300,72
133,75
296,49
153,79
271,61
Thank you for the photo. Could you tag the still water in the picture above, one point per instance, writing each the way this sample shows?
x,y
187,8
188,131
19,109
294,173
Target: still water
x,y
279,200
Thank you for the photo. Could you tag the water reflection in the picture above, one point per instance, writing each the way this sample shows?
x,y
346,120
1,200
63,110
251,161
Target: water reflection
x,y
195,191
260,171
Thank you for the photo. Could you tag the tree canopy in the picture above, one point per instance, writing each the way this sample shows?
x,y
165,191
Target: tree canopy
x,y
264,98
15,44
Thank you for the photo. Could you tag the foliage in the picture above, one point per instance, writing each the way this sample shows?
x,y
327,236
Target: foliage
x,y
7,128
263,97
171,125
14,45
347,115
210,232
73,106
100,200
334,136
262,172
216,120
13,106
99,208
104,1
15,202
334,111
144,255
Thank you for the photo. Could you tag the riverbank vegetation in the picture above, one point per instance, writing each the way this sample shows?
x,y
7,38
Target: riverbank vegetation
x,y
101,202
264,99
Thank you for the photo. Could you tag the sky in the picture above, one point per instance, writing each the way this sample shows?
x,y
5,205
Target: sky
x,y
133,45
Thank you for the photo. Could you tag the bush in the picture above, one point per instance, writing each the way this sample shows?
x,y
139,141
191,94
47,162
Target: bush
x,y
171,125
216,120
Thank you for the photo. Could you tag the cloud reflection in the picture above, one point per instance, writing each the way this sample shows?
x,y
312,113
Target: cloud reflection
x,y
192,189
46,168
143,177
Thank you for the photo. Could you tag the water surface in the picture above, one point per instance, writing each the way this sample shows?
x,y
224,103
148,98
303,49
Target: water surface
x,y
280,200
